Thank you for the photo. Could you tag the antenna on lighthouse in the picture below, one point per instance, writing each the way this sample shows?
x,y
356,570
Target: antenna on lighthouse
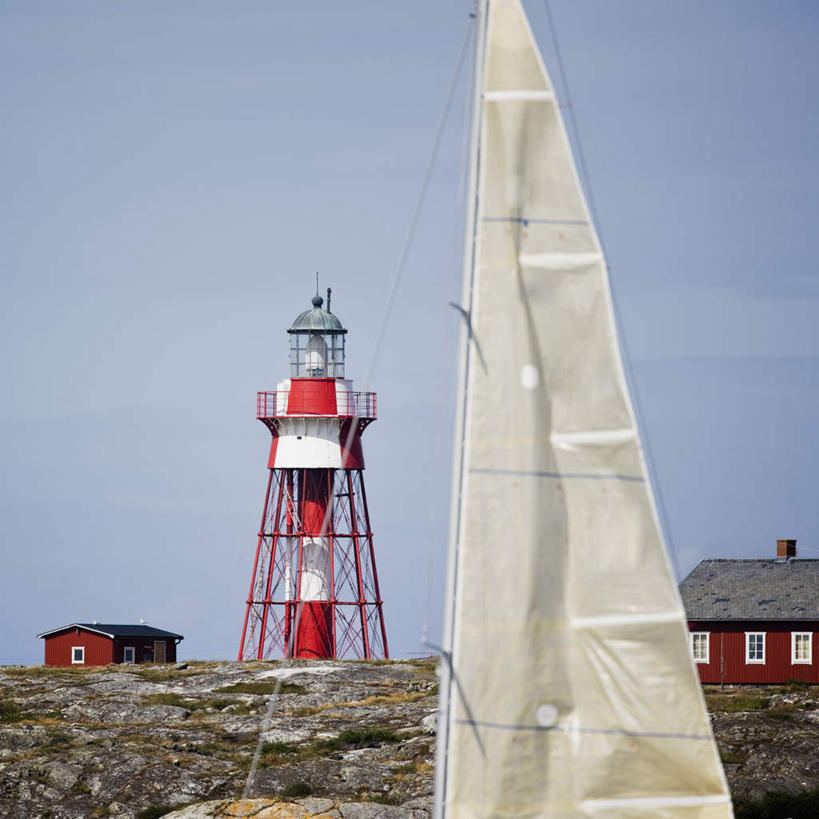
x,y
317,282
329,293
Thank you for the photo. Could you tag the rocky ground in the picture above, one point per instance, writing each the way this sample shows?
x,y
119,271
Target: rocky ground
x,y
343,740
138,741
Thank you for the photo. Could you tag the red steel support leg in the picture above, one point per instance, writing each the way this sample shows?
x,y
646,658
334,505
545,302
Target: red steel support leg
x,y
287,646
294,643
255,565
331,480
372,563
271,568
362,602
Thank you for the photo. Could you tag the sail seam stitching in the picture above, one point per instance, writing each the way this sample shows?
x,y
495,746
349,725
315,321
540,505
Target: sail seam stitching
x,y
500,96
559,475
525,221
627,619
596,731
658,802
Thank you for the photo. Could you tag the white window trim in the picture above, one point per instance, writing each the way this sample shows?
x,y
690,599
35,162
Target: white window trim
x,y
794,635
125,651
748,660
81,661
707,635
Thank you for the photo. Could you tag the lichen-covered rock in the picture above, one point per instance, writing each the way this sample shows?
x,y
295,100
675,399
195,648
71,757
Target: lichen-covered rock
x,y
336,740
121,712
299,809
15,740
119,741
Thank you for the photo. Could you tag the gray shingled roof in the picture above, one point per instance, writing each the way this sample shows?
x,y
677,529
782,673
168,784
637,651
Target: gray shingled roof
x,y
752,590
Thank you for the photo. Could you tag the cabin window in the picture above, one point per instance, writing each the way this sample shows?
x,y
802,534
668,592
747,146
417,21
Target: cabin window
x,y
129,654
77,655
699,646
755,647
802,647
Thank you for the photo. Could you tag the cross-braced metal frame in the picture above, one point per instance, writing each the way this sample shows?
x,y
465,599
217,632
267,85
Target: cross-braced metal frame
x,y
275,604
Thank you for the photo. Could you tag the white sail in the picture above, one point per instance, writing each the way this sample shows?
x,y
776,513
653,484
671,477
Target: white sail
x,y
571,691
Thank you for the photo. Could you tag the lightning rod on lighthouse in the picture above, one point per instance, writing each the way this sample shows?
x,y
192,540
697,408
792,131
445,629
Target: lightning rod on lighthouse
x,y
314,588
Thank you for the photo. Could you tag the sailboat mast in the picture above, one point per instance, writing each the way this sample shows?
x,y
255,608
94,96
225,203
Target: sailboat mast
x,y
480,14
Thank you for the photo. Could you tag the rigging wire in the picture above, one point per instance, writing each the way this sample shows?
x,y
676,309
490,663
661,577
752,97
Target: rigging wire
x,y
446,375
416,211
618,321
396,281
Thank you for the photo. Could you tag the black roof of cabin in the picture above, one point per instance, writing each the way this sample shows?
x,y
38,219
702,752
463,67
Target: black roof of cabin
x,y
783,589
118,630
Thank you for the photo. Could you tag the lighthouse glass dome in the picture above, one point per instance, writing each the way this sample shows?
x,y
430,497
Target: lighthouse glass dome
x,y
317,344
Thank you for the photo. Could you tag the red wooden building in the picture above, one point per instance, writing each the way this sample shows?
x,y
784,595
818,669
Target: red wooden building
x,y
754,621
100,644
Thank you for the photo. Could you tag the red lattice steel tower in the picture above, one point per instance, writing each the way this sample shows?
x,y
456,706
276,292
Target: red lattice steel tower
x,y
314,590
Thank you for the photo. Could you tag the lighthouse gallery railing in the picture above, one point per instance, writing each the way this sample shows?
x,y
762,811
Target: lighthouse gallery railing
x,y
348,404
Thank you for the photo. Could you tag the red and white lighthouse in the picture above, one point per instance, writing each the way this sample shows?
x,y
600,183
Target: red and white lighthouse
x,y
314,590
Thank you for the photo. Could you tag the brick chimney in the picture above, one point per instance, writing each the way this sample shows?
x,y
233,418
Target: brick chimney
x,y
785,548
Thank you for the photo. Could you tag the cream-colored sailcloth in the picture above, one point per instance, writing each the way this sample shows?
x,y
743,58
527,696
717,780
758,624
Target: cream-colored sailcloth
x,y
573,693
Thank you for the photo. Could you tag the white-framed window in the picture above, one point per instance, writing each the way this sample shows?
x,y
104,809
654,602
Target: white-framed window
x,y
700,643
755,647
129,654
801,647
77,655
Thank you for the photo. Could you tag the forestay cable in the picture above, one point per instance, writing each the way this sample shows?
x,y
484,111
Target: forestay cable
x,y
396,281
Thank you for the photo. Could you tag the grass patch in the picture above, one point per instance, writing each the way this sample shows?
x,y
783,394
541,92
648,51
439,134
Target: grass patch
x,y
794,686
310,710
160,810
368,737
410,770
217,749
10,712
163,674
221,704
395,698
421,662
262,687
170,699
732,703
276,747
274,751
782,715
376,662
385,799
732,757
779,805
58,740
49,670
153,813
296,790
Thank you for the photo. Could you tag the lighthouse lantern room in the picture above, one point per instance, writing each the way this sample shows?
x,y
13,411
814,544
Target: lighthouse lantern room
x,y
317,343
314,588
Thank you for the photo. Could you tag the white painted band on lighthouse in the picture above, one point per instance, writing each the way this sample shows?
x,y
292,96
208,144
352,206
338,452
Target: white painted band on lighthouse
x,y
308,443
315,569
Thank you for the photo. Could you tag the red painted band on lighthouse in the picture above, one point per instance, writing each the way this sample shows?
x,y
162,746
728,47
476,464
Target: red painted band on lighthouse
x,y
312,396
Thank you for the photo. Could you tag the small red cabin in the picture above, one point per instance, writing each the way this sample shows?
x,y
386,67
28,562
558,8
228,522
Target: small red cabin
x,y
754,621
100,644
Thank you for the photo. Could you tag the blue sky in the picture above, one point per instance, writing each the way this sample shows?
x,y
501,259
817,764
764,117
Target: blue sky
x,y
174,173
